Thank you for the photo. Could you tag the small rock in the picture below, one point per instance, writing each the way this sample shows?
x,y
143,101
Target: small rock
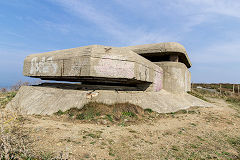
x,y
103,121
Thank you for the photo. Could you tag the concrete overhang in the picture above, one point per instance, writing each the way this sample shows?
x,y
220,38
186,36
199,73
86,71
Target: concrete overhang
x,y
95,63
154,52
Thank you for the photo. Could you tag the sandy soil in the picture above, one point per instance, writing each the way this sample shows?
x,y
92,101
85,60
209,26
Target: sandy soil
x,y
202,133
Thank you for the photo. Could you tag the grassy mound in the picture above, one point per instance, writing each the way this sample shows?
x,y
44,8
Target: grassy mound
x,y
120,113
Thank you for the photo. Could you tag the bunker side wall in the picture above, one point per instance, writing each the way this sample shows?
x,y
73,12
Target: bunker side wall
x,y
176,77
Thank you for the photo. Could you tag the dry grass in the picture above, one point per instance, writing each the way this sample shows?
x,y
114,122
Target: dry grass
x,y
233,99
199,133
125,131
13,142
7,95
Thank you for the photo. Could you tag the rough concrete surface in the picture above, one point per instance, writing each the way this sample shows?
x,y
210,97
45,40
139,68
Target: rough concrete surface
x,y
176,77
94,63
160,49
45,100
152,76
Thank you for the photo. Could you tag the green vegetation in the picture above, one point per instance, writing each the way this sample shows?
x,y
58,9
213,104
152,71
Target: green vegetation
x,y
215,85
128,114
96,134
120,113
216,89
92,135
80,116
216,146
111,152
233,99
6,97
190,140
184,111
235,142
59,113
109,117
235,103
175,148
198,95
15,142
148,110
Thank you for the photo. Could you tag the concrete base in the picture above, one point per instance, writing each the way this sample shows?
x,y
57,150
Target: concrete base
x,y
45,100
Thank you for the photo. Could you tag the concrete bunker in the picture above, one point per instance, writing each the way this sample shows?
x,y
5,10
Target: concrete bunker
x,y
152,76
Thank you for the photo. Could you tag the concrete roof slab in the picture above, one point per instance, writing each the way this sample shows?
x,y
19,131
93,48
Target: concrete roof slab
x,y
160,49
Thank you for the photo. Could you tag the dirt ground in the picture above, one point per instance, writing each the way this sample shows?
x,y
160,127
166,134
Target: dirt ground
x,y
199,133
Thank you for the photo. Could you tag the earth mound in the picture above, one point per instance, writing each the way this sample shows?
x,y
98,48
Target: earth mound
x,y
100,113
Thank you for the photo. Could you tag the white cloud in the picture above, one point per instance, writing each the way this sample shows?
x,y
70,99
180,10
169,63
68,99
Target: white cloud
x,y
112,25
221,7
186,14
189,14
218,53
14,34
49,25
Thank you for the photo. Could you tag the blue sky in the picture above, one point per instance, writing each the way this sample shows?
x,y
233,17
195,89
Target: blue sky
x,y
209,30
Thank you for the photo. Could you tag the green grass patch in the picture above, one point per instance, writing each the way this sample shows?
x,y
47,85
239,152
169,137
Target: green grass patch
x,y
195,94
80,116
118,113
92,135
233,100
235,103
235,142
6,97
109,117
129,114
148,110
59,113
175,148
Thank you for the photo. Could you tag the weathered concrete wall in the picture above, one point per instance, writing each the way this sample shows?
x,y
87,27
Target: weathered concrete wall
x,y
176,77
48,100
161,49
131,76
93,63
